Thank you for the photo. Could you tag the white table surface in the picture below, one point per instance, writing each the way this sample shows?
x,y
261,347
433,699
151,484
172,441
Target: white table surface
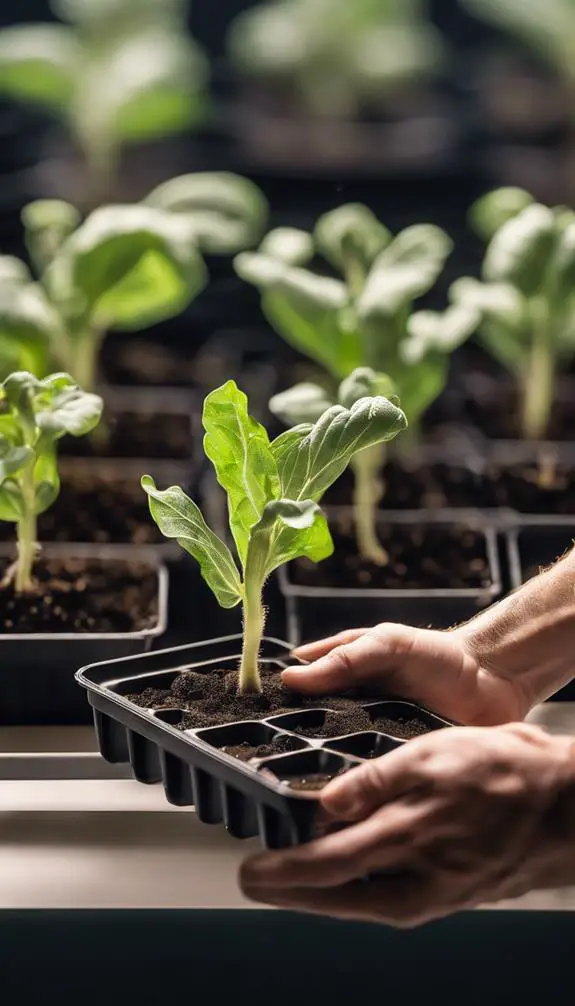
x,y
114,843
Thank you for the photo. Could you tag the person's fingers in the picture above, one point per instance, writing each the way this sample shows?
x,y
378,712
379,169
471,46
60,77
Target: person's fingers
x,y
368,656
402,901
329,861
319,648
372,845
363,790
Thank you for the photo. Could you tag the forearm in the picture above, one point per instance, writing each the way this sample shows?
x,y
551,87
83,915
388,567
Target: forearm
x,y
529,637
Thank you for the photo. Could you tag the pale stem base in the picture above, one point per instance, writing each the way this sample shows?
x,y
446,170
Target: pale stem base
x,y
367,493
254,622
538,385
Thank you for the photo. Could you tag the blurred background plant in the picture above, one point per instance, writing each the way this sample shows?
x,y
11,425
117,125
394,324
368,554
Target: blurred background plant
x,y
337,58
117,72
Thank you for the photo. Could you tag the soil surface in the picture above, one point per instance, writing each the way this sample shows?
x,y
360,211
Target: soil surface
x,y
134,435
94,508
336,724
409,486
212,699
496,412
143,362
76,595
533,488
420,556
280,745
403,729
313,783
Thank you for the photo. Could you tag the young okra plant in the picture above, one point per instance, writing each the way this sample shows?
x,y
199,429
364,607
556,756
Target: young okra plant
x,y
118,71
273,491
525,299
337,57
34,415
124,268
362,318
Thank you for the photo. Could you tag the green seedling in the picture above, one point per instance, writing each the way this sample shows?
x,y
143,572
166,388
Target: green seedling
x,y
34,415
526,297
337,57
273,491
120,71
363,317
124,268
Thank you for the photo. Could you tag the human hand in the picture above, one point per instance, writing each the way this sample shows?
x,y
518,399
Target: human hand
x,y
437,669
454,819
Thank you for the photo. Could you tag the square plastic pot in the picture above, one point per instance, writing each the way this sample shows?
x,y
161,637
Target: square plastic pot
x,y
37,669
249,798
150,402
313,612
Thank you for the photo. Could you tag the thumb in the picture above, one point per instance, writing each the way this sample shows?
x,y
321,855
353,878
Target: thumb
x,y
364,659
363,790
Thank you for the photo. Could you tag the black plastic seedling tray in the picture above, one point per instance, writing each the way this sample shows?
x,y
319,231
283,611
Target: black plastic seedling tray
x,y
252,798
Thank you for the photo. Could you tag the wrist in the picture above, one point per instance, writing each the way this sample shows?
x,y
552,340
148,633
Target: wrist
x,y
528,638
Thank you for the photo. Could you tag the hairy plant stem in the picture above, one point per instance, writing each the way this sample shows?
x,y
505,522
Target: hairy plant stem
x,y
27,534
538,378
254,622
368,491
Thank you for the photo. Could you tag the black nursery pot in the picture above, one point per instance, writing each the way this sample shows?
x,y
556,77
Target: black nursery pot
x,y
37,669
250,798
144,423
316,611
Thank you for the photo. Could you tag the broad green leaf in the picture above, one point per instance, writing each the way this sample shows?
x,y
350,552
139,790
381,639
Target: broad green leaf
x,y
489,213
492,300
404,271
11,505
13,271
521,250
311,458
47,223
13,458
69,411
304,403
561,279
289,245
240,452
133,266
440,331
351,232
288,529
28,325
18,391
421,384
366,383
39,63
225,212
178,517
46,477
306,310
146,86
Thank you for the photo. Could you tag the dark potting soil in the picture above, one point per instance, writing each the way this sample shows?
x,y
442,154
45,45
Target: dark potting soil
x,y
410,486
420,556
314,783
135,435
348,719
533,488
93,507
142,362
403,729
280,745
78,595
212,699
495,411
